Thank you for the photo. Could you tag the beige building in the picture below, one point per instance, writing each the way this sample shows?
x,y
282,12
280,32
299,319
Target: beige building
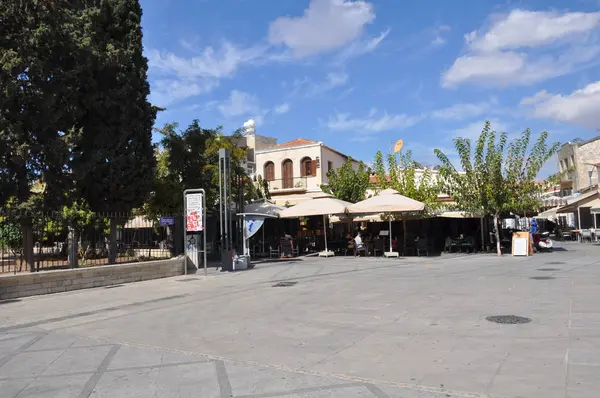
x,y
582,157
295,170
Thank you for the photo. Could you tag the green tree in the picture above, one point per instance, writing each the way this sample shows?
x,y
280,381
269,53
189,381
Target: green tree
x,y
409,178
40,70
495,178
190,159
113,160
349,183
381,177
412,180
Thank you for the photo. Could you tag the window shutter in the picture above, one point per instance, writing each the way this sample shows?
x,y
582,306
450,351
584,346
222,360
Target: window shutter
x,y
313,168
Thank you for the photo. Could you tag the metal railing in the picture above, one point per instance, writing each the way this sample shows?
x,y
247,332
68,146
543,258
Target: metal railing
x,y
295,183
59,243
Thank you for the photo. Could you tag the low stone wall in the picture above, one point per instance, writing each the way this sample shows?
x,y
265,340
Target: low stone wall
x,y
33,284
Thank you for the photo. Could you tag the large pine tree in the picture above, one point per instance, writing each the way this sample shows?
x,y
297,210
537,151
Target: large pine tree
x,y
39,73
114,157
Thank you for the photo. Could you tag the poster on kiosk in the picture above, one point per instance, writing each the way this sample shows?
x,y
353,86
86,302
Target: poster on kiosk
x,y
194,226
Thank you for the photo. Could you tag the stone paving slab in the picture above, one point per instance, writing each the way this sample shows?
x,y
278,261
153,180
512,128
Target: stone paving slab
x,y
407,328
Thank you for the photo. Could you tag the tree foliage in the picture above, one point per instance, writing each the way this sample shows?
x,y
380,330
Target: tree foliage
x,y
39,70
412,180
113,159
496,178
190,159
348,183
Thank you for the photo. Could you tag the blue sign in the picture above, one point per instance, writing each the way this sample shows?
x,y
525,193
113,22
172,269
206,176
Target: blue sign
x,y
164,221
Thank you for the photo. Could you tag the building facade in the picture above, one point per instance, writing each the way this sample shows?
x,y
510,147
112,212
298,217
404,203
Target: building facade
x,y
294,170
581,159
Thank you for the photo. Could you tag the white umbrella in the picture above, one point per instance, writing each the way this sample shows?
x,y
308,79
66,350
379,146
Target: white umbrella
x,y
388,201
317,207
263,207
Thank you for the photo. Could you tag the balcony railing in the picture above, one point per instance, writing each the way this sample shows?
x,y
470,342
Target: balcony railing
x,y
287,184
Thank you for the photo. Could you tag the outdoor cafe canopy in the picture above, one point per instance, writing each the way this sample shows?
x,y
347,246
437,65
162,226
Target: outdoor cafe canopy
x,y
388,201
317,207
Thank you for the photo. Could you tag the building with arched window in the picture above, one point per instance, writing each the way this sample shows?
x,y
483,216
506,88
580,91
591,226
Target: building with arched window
x,y
295,170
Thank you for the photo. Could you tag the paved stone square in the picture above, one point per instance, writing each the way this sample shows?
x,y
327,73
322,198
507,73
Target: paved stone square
x,y
398,328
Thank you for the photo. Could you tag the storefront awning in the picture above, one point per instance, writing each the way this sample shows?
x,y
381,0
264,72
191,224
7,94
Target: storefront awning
x,y
548,215
458,214
590,199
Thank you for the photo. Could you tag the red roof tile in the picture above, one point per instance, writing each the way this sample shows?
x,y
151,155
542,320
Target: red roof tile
x,y
296,142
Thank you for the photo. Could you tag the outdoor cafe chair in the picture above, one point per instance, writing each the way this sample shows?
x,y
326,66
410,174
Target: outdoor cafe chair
x,y
357,250
378,247
273,252
586,234
468,244
450,244
422,246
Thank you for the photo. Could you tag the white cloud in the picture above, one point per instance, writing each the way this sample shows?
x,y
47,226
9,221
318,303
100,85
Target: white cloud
x,y
361,47
282,108
176,78
165,92
239,104
373,123
523,28
463,110
438,36
581,107
326,25
337,79
310,88
525,47
473,130
210,63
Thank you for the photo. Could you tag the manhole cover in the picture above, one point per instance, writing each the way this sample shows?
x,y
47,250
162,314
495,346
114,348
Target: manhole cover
x,y
548,269
113,286
542,278
284,284
508,319
555,263
188,280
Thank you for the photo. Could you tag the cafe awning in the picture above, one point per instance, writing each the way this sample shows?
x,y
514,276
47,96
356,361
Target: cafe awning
x,y
458,214
590,199
548,215
388,201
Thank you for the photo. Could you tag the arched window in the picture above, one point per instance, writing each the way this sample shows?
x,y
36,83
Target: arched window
x,y
308,167
287,172
270,171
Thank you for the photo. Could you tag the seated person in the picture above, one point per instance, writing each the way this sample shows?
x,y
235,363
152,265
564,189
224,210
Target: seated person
x,y
358,241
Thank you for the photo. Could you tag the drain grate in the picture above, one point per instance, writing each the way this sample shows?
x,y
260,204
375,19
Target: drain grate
x,y
555,263
113,286
508,319
284,284
188,280
548,269
542,278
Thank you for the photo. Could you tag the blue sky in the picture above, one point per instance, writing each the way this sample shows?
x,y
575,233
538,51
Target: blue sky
x,y
359,75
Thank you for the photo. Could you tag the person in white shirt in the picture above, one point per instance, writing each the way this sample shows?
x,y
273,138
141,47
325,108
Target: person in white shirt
x,y
358,241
